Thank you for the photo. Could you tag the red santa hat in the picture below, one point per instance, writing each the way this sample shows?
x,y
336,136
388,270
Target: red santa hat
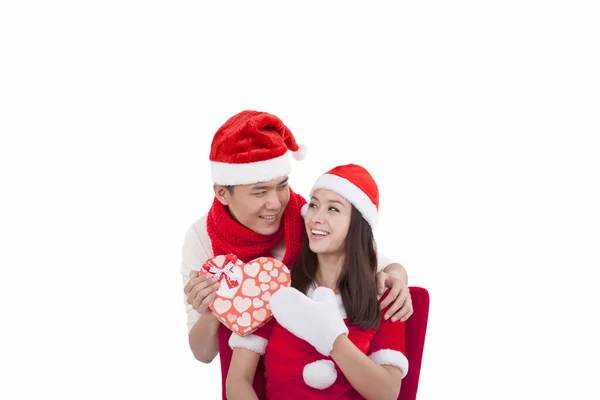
x,y
252,147
355,184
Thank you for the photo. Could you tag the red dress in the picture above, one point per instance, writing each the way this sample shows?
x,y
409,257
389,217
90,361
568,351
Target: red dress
x,y
286,356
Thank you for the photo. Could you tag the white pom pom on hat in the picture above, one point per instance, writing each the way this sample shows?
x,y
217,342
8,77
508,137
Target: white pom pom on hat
x,y
301,153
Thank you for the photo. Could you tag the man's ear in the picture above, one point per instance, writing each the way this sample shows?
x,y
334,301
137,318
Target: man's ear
x,y
222,194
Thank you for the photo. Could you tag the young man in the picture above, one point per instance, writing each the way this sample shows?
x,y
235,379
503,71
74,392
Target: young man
x,y
255,213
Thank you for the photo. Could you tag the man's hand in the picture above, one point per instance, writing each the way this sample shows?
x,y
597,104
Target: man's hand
x,y
200,291
401,308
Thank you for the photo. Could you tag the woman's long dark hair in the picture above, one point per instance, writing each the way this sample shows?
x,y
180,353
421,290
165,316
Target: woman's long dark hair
x,y
356,282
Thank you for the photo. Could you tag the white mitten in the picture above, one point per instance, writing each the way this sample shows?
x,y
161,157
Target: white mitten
x,y
316,320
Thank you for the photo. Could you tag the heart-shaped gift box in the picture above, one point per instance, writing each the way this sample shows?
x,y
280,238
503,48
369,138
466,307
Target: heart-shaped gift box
x,y
242,301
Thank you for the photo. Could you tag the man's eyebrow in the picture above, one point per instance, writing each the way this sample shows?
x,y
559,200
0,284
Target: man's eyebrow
x,y
263,187
259,187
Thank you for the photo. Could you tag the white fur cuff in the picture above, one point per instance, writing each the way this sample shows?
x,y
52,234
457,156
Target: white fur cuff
x,y
391,357
251,342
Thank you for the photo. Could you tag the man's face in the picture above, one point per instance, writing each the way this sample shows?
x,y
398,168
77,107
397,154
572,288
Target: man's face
x,y
259,206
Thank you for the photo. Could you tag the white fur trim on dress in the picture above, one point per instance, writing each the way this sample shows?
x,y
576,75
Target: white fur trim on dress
x,y
350,192
251,342
319,374
247,174
391,357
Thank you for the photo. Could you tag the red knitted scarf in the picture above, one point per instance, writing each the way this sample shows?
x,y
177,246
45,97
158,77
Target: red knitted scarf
x,y
229,236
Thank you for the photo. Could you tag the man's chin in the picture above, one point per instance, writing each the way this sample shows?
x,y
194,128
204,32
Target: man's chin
x,y
267,230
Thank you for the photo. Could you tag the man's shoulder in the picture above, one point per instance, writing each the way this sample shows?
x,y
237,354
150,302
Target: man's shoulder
x,y
197,227
200,223
197,236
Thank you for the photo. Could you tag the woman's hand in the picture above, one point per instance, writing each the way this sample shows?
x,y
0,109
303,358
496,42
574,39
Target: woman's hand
x,y
316,320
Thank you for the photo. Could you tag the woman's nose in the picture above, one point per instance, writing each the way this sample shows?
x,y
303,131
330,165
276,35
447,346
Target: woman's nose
x,y
317,216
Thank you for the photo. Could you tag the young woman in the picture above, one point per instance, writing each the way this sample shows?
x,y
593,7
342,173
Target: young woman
x,y
328,338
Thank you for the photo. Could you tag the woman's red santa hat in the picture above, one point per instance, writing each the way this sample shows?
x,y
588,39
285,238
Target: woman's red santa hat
x,y
355,184
252,147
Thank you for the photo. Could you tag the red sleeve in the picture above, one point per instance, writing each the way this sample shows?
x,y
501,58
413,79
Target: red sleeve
x,y
265,330
388,344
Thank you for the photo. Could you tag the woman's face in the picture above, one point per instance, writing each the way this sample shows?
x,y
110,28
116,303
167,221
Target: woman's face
x,y
327,221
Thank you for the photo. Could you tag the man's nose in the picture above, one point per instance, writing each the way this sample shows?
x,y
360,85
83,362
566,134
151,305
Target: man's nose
x,y
273,202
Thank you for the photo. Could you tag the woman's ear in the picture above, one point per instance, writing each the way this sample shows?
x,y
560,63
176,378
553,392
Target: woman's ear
x,y
222,194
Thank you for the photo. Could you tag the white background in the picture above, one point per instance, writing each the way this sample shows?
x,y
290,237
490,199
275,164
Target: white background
x,y
478,119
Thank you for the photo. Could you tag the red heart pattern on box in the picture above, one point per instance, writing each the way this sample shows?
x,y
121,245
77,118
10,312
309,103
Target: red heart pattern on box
x,y
242,300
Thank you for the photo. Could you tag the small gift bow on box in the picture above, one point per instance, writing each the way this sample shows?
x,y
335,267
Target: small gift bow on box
x,y
223,272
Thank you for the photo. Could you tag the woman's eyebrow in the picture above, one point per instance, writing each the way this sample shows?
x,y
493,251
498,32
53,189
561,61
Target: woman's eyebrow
x,y
338,202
